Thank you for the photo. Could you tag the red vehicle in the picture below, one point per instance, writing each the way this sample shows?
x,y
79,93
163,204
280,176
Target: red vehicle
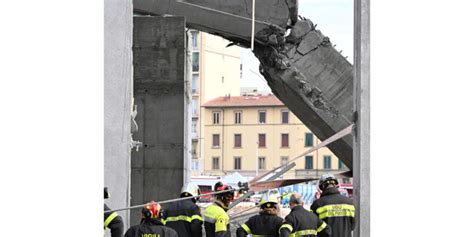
x,y
205,184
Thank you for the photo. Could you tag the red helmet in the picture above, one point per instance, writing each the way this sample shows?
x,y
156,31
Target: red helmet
x,y
151,210
225,196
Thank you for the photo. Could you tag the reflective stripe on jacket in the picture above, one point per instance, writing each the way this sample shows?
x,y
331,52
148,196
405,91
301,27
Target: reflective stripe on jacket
x,y
184,217
261,225
114,222
337,211
216,221
301,222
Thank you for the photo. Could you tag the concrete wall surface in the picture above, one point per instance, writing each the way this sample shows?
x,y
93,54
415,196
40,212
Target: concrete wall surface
x,y
117,102
159,77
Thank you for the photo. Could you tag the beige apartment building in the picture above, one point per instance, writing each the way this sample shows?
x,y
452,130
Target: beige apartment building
x,y
216,72
246,132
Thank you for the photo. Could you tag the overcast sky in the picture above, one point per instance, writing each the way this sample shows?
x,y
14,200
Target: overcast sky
x,y
334,18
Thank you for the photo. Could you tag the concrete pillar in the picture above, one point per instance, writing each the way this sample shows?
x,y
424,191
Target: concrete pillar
x,y
117,102
159,90
361,167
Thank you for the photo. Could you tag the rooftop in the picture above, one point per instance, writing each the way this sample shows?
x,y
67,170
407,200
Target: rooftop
x,y
244,101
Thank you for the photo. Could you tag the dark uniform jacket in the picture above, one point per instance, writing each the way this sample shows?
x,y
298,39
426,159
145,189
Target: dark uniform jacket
x,y
264,224
150,228
301,222
216,221
337,211
114,222
184,217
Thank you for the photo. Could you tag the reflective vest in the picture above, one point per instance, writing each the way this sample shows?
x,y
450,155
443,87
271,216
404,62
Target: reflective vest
x,y
216,221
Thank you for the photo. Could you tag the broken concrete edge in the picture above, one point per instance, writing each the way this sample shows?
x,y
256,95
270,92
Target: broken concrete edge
x,y
278,58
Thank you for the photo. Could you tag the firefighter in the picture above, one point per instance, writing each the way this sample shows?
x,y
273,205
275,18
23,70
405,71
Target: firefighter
x,y
301,222
151,225
185,216
264,224
111,219
216,220
335,209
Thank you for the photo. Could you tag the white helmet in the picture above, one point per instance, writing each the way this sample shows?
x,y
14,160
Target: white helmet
x,y
190,188
327,179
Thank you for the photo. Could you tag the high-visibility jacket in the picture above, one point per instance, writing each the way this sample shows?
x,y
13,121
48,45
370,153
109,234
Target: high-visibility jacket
x,y
150,228
114,222
184,217
337,211
301,222
263,224
216,221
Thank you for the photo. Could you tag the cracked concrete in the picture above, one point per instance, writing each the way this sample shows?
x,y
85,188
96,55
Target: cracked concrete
x,y
312,79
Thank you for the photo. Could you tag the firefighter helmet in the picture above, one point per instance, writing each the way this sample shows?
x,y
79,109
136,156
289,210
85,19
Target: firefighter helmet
x,y
151,210
190,189
225,196
327,179
268,201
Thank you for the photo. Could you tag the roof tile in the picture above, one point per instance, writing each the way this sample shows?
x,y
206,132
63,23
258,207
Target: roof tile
x,y
244,101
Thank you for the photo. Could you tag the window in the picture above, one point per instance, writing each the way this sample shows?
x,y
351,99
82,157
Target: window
x,y
262,117
194,83
241,71
215,163
284,139
308,139
195,107
215,140
194,129
238,117
237,140
222,79
195,62
237,163
194,150
261,140
308,162
327,162
340,165
284,116
261,163
284,160
216,117
194,38
195,165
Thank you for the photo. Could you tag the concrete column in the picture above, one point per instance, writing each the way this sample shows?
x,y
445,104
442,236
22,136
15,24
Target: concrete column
x,y
159,90
361,145
117,102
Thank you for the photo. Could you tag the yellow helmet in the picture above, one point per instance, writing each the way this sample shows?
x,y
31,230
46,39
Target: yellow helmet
x,y
268,201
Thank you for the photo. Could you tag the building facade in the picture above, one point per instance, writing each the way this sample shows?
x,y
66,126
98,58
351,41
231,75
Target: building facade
x,y
215,72
244,133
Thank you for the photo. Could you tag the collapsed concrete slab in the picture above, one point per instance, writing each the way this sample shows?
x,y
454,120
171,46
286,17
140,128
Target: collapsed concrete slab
x,y
314,80
303,69
229,19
